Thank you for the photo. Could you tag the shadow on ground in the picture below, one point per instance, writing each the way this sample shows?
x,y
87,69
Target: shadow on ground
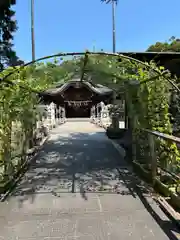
x,y
85,163
79,162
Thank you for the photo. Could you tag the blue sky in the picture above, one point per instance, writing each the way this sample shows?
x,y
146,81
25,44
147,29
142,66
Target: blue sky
x,y
74,25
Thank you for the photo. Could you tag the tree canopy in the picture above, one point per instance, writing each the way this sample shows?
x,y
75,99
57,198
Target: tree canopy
x,y
173,45
7,27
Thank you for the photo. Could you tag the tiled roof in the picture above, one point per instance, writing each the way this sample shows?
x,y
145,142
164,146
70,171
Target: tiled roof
x,y
97,88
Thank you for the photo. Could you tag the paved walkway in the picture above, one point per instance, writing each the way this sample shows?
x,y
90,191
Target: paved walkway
x,y
81,188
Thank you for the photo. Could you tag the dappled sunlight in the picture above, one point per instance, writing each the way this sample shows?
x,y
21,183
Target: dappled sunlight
x,y
84,162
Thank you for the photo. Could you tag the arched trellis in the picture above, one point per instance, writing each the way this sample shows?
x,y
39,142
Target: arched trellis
x,y
158,74
87,53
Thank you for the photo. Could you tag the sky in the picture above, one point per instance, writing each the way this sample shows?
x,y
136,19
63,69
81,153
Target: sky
x,y
77,25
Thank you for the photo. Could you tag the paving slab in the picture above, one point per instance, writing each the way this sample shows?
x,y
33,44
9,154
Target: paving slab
x,y
80,187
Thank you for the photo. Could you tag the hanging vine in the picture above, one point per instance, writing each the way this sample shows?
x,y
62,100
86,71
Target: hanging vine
x,y
145,85
19,114
148,90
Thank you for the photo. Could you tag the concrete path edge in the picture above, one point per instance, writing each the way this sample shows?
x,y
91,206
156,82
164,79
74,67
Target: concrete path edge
x,y
120,149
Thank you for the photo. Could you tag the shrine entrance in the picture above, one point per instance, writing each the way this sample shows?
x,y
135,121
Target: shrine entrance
x,y
78,109
77,97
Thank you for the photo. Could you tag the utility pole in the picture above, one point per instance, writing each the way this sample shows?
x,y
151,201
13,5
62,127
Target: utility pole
x,y
113,2
32,30
33,59
113,25
94,48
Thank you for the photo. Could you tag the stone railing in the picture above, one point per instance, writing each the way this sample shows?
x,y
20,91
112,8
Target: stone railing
x,y
100,115
50,117
23,137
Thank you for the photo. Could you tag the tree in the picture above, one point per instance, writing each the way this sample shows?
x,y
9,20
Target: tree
x,y
172,45
7,28
15,61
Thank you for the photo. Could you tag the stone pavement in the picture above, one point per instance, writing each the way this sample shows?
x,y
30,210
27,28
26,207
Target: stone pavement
x,y
81,188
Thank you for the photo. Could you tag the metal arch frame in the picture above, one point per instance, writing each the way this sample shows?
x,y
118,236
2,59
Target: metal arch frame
x,y
90,53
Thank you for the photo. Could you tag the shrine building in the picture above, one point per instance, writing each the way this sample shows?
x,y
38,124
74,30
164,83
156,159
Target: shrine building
x,y
77,97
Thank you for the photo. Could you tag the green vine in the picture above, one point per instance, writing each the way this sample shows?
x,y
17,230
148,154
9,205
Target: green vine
x,y
148,92
145,85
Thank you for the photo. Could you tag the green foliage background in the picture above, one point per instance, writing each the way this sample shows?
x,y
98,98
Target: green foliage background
x,y
145,87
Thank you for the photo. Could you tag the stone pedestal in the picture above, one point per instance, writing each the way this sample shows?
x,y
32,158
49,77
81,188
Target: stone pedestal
x,y
115,121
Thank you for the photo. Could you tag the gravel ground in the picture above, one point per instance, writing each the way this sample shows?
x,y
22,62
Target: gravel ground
x,y
81,188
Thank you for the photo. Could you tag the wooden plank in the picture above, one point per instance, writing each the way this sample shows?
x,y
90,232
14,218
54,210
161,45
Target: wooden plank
x,y
169,210
162,135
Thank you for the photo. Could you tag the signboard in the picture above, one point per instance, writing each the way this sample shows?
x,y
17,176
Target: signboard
x,y
78,103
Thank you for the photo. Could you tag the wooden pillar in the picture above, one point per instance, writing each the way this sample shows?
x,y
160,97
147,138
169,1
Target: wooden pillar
x,y
134,139
153,162
126,117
